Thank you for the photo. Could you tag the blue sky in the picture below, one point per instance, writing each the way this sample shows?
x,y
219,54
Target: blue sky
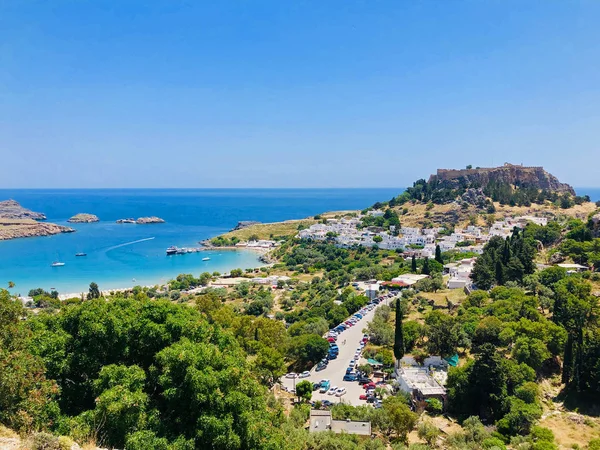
x,y
294,93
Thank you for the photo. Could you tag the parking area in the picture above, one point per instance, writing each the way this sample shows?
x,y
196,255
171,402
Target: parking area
x,y
348,342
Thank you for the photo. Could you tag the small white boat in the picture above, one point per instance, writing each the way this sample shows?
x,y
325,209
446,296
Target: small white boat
x,y
58,264
205,259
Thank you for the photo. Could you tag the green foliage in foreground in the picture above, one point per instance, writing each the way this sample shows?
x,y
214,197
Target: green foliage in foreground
x,y
136,371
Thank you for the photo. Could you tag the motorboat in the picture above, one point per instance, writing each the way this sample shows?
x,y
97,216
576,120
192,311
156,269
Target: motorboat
x,y
81,254
58,264
206,259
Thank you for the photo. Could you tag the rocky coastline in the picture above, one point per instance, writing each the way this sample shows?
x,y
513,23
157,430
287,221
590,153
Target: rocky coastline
x,y
245,224
22,228
83,218
10,209
18,222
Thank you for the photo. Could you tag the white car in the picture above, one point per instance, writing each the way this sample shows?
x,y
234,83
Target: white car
x,y
332,390
304,374
340,392
291,375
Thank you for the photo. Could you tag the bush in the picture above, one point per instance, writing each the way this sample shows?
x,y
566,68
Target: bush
x,y
44,441
528,392
434,406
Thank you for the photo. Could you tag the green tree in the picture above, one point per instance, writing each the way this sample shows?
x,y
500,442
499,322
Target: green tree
x,y
236,273
308,348
304,390
428,432
11,284
93,292
402,419
413,264
438,254
26,395
398,332
269,365
426,270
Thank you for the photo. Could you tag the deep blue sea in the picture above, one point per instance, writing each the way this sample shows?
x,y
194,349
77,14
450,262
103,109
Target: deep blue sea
x,y
119,253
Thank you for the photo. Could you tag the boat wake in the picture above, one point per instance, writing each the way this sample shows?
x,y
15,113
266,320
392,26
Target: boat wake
x,y
128,243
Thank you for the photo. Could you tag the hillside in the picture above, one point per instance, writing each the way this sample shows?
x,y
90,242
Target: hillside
x,y
457,198
508,174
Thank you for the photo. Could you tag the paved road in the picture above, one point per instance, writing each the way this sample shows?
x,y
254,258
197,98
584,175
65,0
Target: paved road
x,y
336,369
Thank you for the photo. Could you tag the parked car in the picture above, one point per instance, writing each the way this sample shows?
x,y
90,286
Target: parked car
x,y
316,386
331,356
350,377
291,375
340,392
327,403
362,397
369,385
304,374
321,366
332,390
325,384
364,380
331,339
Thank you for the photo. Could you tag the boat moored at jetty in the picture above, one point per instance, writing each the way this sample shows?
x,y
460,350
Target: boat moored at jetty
x,y
182,250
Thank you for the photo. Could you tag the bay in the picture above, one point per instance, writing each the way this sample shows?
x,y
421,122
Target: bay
x,y
123,255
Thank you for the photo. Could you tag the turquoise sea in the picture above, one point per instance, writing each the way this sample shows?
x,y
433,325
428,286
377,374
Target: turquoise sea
x,y
119,253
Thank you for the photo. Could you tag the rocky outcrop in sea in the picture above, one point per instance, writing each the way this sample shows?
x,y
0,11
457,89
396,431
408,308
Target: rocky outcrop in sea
x,y
148,220
83,218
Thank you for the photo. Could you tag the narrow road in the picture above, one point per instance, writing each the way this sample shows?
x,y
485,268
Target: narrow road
x,y
336,369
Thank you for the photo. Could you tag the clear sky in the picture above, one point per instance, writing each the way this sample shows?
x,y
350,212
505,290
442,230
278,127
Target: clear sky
x,y
276,93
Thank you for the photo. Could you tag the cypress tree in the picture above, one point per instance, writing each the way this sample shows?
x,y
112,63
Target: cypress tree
x,y
438,254
399,334
426,270
499,273
413,266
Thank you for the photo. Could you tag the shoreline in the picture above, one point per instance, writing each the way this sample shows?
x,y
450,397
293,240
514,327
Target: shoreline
x,y
257,250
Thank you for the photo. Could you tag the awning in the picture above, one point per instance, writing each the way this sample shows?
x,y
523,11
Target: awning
x,y
452,360
373,362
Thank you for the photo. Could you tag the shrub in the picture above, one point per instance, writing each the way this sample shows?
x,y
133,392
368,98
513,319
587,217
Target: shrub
x,y
44,441
434,406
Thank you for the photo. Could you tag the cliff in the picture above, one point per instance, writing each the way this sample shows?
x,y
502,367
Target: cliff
x,y
244,224
508,174
83,218
10,209
20,228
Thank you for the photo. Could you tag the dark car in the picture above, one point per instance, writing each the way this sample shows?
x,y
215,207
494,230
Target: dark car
x,y
350,377
320,367
316,386
331,356
370,399
326,403
364,380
